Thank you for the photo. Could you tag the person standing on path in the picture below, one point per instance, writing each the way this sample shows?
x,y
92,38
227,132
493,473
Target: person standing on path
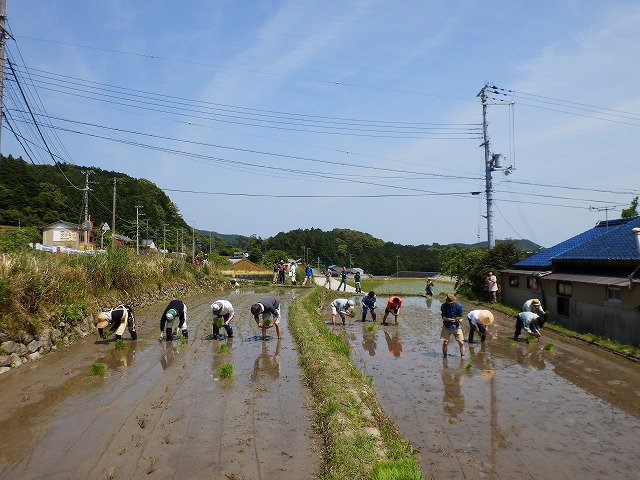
x,y
343,279
275,272
356,279
393,307
176,308
269,309
492,285
479,320
223,310
368,302
308,273
327,278
451,311
292,272
281,270
118,318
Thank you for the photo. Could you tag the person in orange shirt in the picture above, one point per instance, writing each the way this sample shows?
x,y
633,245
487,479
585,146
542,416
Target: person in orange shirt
x,y
393,307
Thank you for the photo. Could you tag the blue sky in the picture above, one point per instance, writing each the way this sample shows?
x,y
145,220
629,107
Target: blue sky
x,y
360,114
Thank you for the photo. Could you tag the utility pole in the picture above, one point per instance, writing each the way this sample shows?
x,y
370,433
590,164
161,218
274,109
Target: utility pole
x,y
3,36
164,238
86,192
487,167
113,215
193,243
138,207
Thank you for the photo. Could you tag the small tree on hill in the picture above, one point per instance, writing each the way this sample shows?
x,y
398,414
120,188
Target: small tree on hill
x,y
632,211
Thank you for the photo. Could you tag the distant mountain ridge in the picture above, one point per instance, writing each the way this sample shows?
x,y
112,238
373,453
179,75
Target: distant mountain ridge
x,y
527,246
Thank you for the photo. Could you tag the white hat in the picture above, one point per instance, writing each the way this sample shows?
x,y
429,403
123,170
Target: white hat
x,y
215,306
171,314
350,303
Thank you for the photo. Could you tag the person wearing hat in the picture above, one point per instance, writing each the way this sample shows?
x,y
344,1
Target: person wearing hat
x,y
528,321
224,310
534,305
267,307
368,303
492,285
176,308
342,307
393,307
451,311
479,320
429,288
117,319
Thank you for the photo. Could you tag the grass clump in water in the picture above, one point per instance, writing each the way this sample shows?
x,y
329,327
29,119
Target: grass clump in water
x,y
548,346
468,366
225,370
223,348
371,327
530,340
120,345
98,369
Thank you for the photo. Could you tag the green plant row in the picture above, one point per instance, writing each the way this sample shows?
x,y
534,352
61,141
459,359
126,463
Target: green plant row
x,y
359,440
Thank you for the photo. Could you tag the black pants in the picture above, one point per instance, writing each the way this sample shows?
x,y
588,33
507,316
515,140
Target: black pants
x,y
481,330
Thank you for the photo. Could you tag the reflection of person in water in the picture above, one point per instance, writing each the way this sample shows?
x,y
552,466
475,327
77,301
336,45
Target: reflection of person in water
x,y
393,343
369,340
127,358
453,399
167,356
268,363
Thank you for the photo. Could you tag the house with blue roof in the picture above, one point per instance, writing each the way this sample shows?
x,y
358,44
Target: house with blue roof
x,y
589,283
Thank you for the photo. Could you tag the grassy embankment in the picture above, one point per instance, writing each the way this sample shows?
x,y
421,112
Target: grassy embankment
x,y
40,290
359,440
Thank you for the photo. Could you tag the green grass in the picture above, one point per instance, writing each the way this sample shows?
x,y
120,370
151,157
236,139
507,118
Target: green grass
x,y
371,328
346,411
468,366
223,348
225,370
403,469
120,345
98,369
530,340
548,346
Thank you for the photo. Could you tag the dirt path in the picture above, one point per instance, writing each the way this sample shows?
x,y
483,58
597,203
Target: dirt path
x,y
518,412
162,412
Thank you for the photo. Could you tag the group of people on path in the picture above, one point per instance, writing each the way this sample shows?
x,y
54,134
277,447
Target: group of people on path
x,y
282,271
343,279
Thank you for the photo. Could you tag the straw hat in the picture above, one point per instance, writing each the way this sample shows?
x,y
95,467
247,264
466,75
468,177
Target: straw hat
x,y
451,298
103,320
485,317
535,302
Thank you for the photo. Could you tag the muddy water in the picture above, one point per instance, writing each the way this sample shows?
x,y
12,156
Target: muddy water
x,y
162,410
507,409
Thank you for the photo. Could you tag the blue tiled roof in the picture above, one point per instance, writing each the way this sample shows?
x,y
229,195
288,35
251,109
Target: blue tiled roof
x,y
611,240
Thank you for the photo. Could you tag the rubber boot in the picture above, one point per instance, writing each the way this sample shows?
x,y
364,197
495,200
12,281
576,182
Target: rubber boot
x,y
215,332
185,333
229,330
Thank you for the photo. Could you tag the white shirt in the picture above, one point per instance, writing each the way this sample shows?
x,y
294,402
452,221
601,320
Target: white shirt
x,y
227,308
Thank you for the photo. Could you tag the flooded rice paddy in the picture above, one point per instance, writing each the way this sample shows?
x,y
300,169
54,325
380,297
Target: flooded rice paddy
x,y
505,410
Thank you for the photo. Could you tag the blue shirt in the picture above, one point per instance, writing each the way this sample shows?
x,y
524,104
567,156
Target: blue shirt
x,y
368,301
308,271
451,310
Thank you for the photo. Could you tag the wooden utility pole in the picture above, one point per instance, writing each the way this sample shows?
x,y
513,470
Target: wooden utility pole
x,y
3,36
113,216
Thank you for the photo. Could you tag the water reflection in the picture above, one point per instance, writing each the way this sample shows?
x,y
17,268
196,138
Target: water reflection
x,y
393,343
168,355
267,363
369,339
481,360
453,399
530,358
121,358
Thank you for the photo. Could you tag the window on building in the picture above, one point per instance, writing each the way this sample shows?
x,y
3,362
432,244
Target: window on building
x,y
564,288
532,283
613,294
563,306
514,280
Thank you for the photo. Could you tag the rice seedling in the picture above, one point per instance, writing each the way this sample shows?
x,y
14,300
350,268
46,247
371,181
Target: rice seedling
x,y
98,369
267,322
223,348
219,321
120,345
352,314
548,346
371,327
468,366
530,340
225,370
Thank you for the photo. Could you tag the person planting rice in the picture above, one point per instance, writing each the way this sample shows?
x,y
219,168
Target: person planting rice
x,y
479,320
393,307
368,302
176,308
534,305
528,321
223,313
451,311
269,309
117,319
342,307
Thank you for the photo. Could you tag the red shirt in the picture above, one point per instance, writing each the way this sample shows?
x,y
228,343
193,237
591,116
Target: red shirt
x,y
390,303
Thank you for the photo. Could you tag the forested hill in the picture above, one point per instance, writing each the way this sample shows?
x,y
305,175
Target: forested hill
x,y
36,195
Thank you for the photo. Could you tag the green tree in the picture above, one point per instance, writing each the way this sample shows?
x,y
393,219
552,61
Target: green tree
x,y
273,256
632,211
